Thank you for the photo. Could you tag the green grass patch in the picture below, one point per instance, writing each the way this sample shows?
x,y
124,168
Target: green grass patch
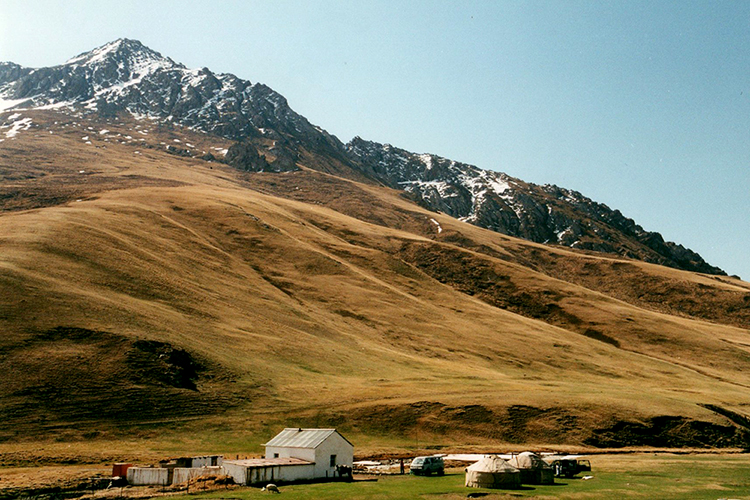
x,y
663,476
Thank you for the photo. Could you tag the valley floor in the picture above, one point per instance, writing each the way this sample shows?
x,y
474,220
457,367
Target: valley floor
x,y
630,475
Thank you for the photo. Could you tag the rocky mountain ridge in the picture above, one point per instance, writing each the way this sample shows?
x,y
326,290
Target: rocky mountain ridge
x,y
126,76
496,201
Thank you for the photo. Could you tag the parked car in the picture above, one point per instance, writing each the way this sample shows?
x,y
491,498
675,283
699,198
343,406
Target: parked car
x,y
425,466
568,466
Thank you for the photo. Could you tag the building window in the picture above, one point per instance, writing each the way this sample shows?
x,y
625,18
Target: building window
x,y
333,460
275,455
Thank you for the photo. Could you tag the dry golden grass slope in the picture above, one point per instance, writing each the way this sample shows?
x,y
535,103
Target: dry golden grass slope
x,y
141,288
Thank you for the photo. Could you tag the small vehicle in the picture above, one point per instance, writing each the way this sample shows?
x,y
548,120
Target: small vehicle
x,y
425,466
568,466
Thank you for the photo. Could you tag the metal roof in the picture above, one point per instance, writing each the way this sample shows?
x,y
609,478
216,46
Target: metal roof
x,y
268,462
294,437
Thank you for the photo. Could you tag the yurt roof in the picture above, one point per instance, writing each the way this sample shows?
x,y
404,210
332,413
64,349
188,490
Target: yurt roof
x,y
492,464
528,460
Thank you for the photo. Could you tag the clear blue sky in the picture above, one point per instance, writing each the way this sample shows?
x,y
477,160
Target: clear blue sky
x,y
641,105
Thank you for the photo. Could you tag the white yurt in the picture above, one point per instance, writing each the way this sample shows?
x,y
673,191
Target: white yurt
x,y
533,469
492,472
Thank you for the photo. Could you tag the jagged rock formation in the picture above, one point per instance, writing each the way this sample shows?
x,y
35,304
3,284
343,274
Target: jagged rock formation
x,y
126,76
244,156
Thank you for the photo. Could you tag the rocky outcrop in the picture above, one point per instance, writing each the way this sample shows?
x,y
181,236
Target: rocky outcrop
x,y
285,161
244,156
11,71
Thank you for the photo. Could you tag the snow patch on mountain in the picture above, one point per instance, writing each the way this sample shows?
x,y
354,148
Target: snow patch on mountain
x,y
16,124
7,104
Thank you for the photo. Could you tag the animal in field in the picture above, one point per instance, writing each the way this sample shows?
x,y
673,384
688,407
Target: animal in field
x,y
271,488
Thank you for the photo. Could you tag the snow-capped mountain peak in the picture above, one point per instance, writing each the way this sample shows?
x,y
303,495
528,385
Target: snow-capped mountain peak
x,y
126,76
119,64
84,78
126,53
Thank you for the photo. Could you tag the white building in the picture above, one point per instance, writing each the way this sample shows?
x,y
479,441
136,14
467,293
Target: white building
x,y
325,448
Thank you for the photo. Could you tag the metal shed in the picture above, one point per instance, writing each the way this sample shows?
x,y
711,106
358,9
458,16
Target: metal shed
x,y
264,470
145,476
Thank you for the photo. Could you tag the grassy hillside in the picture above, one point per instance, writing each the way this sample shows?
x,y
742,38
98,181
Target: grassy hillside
x,y
139,287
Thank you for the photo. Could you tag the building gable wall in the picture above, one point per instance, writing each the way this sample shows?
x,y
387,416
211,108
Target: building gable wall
x,y
335,444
